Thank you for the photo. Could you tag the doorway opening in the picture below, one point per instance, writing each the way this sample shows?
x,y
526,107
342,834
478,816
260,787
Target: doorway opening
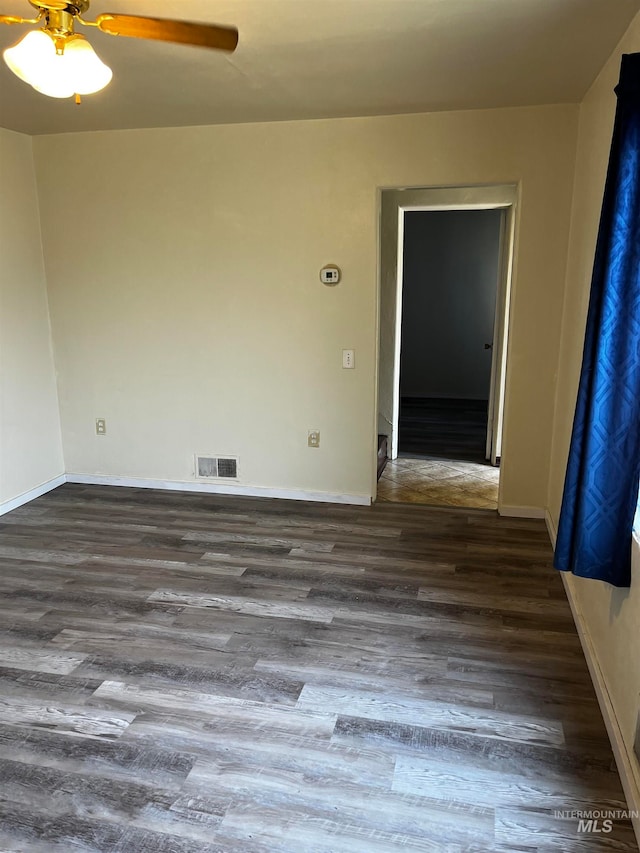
x,y
446,261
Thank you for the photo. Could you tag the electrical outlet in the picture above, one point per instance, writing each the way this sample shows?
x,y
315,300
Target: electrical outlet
x,y
313,438
101,426
348,359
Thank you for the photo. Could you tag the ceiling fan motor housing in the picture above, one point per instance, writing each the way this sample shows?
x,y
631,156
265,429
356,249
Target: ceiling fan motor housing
x,y
73,7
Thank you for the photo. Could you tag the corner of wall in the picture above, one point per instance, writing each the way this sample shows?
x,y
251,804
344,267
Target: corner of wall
x,y
57,426
31,447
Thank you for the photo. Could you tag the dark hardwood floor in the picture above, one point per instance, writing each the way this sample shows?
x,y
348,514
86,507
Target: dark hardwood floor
x,y
189,673
443,428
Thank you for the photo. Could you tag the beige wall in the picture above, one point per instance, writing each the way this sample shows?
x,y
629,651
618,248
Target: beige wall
x,y
30,444
612,616
388,247
187,308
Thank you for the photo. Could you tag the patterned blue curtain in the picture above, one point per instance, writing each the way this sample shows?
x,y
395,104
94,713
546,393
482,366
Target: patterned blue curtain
x,y
601,485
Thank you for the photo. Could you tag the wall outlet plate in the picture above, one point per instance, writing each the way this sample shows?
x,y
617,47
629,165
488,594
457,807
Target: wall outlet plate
x,y
313,438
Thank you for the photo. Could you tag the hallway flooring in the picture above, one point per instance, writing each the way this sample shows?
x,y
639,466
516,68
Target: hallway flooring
x,y
450,429
439,482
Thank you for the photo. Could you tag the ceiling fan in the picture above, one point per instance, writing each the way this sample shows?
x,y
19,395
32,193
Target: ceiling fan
x,y
57,61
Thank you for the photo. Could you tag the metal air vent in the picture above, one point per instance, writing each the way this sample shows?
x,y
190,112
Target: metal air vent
x,y
217,467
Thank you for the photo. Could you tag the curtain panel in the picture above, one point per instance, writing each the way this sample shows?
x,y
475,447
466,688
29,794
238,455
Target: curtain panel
x,y
603,470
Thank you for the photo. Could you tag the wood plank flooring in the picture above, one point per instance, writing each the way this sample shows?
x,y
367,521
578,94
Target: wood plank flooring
x,y
187,673
443,428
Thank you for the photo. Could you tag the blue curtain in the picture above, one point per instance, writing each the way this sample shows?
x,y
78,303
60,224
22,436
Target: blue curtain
x,y
601,485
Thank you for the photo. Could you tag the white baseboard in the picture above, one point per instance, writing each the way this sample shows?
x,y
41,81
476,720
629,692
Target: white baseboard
x,y
32,494
521,511
218,489
621,754
551,528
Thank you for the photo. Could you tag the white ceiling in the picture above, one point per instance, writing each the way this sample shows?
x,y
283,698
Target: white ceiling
x,y
300,59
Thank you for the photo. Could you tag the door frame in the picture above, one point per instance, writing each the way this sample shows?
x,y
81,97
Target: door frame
x,y
394,202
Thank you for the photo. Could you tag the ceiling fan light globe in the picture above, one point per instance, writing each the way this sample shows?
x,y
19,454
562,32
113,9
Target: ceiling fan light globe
x,y
77,70
30,58
86,72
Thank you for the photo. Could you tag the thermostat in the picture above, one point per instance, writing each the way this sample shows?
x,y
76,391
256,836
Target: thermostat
x,y
330,275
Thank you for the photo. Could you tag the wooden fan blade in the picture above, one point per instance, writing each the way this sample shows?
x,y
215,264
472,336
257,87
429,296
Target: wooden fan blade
x,y
182,32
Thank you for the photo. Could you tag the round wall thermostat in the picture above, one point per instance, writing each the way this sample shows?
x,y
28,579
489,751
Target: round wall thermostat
x,y
330,275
